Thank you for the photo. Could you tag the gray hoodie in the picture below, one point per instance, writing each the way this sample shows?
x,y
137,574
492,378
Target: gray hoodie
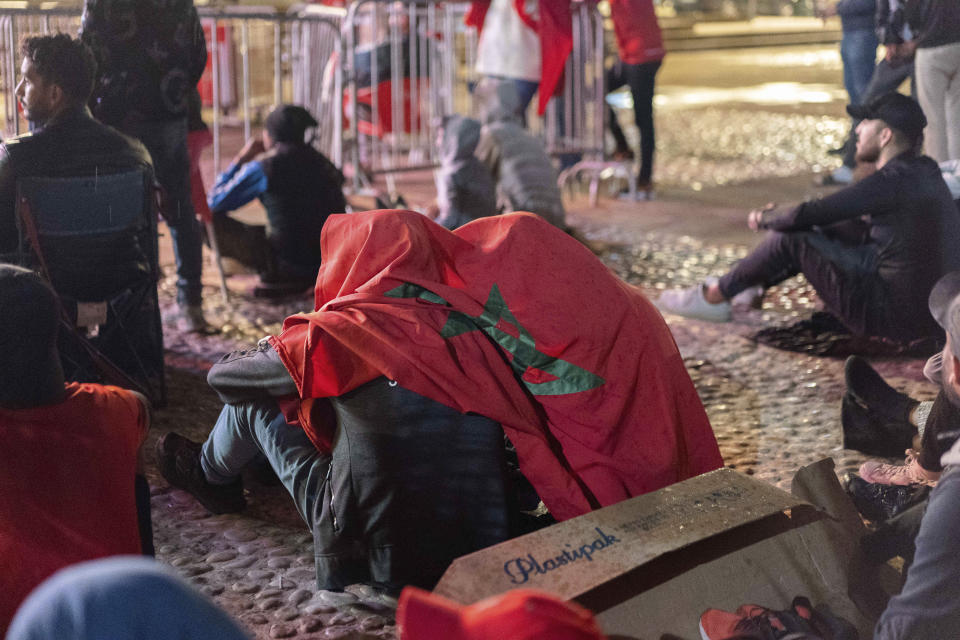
x,y
465,189
525,177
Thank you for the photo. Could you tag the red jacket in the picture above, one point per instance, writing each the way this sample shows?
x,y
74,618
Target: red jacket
x,y
638,34
513,319
555,29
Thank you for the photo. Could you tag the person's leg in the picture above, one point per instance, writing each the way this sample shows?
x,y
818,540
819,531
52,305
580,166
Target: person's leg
x,y
858,50
938,433
525,92
952,102
245,243
615,80
641,78
244,431
931,94
121,597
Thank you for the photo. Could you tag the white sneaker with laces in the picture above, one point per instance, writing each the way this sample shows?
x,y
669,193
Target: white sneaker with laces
x,y
690,303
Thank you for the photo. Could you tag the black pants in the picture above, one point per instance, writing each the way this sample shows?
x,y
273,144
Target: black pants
x,y
245,243
843,273
640,78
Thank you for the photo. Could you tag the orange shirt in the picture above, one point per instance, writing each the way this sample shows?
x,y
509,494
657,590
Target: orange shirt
x,y
66,486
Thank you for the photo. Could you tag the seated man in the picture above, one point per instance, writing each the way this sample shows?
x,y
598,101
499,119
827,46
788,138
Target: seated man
x,y
465,190
56,80
521,168
68,452
425,343
872,251
299,188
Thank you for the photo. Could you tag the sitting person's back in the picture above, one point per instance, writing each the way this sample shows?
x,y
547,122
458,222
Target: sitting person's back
x,y
526,179
68,452
465,189
298,186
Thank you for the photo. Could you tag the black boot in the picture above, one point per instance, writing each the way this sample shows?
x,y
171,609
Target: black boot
x,y
870,433
872,391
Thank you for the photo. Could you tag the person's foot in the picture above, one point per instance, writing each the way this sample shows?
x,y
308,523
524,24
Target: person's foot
x,y
191,320
691,303
623,155
842,175
751,298
910,472
867,432
178,459
872,391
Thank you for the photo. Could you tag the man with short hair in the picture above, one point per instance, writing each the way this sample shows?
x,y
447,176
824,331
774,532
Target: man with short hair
x,y
872,251
55,84
68,451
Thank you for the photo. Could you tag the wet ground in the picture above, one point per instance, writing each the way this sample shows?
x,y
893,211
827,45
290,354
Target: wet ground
x,y
732,135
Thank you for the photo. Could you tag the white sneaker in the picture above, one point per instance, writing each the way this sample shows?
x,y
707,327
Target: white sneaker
x,y
751,298
690,303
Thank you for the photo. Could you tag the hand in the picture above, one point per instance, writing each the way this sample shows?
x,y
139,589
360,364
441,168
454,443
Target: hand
x,y
755,217
251,149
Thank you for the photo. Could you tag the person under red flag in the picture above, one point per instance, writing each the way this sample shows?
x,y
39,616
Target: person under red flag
x,y
506,322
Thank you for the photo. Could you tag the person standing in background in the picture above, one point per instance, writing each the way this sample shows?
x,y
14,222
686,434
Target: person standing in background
x,y
150,55
640,45
936,24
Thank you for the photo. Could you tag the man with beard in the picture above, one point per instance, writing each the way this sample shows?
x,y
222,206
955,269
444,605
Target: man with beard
x,y
872,251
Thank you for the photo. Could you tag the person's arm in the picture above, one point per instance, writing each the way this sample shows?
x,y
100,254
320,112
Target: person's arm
x,y
928,606
874,195
237,186
250,374
488,153
8,204
198,55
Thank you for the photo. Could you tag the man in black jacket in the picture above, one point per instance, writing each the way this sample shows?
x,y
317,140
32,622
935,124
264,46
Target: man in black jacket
x,y
873,251
56,79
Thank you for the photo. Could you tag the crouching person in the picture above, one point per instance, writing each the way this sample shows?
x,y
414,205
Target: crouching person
x,y
68,451
383,411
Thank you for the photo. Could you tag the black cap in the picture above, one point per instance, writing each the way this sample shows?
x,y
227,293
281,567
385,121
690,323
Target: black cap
x,y
897,110
288,122
945,307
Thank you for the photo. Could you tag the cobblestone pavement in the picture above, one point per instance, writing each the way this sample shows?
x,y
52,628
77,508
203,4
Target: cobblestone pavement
x,y
772,411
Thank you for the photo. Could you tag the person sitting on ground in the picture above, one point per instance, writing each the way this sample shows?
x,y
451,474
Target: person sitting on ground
x,y
383,412
928,606
872,251
465,190
298,186
526,179
68,451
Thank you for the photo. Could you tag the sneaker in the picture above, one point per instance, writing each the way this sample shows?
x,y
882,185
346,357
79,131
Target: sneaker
x,y
753,622
751,298
842,175
872,391
690,303
910,472
178,459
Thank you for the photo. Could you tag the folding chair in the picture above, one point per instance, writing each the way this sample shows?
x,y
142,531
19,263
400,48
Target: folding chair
x,y
95,239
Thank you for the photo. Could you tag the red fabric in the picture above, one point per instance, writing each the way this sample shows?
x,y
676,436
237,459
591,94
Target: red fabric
x,y
555,29
638,35
66,486
384,125
641,429
197,141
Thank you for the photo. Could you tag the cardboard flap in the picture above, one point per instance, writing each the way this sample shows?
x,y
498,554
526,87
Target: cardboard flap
x,y
575,556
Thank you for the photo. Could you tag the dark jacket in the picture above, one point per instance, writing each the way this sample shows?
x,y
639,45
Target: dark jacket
x,y
890,21
935,22
911,222
857,14
150,54
303,189
74,144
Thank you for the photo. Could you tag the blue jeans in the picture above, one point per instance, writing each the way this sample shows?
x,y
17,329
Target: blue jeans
x,y
122,597
247,430
167,143
858,50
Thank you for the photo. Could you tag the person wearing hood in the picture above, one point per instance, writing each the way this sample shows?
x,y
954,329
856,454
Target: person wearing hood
x,y
526,179
465,189
298,186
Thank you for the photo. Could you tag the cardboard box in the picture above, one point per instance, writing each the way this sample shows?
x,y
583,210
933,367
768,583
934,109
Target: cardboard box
x,y
652,564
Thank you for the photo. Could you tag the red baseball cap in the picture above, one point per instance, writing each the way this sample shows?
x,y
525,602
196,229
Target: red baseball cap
x,y
521,614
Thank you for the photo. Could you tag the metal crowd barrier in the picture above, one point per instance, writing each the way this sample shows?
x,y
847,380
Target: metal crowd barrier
x,y
378,75
411,62
257,57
